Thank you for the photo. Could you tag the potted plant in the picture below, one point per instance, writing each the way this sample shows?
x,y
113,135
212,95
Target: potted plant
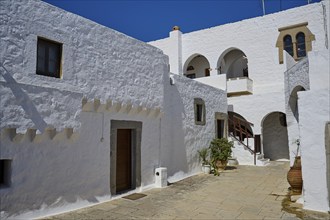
x,y
220,151
294,175
203,156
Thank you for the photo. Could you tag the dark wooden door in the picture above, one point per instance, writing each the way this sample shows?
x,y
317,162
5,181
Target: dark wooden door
x,y
207,72
220,128
124,162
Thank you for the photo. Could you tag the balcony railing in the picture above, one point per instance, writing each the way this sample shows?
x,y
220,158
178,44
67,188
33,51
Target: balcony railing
x,y
239,86
217,81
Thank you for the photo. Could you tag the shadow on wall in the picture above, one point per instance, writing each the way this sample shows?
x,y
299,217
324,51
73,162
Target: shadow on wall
x,y
275,136
24,100
173,153
61,172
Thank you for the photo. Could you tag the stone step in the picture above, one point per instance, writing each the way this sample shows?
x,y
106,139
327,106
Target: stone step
x,y
260,156
263,162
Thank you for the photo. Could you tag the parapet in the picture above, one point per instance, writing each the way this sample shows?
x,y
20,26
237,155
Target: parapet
x,y
31,135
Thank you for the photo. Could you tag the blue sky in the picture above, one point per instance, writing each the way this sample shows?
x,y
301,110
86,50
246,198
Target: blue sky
x,y
150,20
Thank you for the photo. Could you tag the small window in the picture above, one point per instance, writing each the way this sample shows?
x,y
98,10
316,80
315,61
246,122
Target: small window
x,y
49,58
301,46
288,46
190,68
199,108
296,40
191,76
5,173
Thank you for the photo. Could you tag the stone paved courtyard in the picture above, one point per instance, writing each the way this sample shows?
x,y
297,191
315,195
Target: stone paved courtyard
x,y
245,192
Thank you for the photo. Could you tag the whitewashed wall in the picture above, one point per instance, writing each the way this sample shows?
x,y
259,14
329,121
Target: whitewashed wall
x,y
178,124
97,62
256,38
314,114
51,174
296,77
106,76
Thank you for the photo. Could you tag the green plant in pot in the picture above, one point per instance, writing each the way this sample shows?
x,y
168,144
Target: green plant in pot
x,y
203,157
220,151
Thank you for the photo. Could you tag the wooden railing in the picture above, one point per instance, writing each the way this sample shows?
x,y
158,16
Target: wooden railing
x,y
238,129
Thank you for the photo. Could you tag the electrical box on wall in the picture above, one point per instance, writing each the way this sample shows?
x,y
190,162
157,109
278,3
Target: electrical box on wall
x,y
161,177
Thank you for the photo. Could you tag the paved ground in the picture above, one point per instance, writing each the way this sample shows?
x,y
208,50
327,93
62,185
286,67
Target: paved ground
x,y
244,193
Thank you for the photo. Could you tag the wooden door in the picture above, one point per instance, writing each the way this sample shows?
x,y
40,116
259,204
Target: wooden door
x,y
207,72
124,161
220,128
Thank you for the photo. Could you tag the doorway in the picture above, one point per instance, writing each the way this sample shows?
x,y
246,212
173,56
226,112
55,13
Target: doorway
x,y
220,125
125,156
124,160
220,128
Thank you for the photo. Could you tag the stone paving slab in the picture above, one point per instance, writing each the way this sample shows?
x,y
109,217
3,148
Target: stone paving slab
x,y
247,192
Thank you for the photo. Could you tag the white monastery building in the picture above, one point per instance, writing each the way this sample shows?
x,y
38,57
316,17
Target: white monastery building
x,y
88,113
275,70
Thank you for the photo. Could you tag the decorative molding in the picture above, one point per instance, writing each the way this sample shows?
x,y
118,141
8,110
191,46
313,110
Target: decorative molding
x,y
96,105
30,135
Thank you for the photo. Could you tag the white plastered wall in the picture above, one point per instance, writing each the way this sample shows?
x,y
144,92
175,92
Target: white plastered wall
x,y
106,76
57,173
314,114
178,124
52,174
257,38
97,62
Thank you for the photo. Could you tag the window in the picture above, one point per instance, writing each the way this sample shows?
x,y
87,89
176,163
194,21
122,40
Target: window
x,y
5,173
288,46
296,40
199,108
49,58
301,46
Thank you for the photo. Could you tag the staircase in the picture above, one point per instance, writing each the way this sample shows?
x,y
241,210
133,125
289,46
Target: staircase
x,y
246,145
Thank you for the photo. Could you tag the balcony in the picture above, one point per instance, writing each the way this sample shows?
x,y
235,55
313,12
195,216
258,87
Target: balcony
x,y
217,81
239,86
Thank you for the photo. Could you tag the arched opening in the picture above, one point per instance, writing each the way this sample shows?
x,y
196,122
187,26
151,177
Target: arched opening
x,y
196,66
288,45
301,44
234,63
293,101
275,136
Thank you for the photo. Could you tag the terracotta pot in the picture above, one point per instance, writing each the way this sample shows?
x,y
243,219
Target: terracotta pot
x,y
294,176
221,164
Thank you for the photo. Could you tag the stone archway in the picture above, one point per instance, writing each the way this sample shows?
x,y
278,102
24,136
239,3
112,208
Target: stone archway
x,y
196,66
275,136
293,101
234,63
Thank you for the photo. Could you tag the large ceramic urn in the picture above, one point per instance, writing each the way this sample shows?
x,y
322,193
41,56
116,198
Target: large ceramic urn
x,y
294,176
